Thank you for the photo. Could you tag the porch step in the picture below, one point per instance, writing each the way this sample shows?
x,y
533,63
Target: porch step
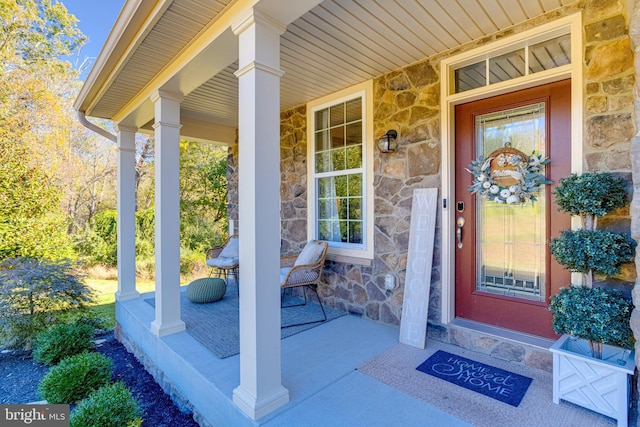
x,y
500,343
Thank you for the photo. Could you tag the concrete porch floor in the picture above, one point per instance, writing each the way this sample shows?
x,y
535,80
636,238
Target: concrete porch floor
x,y
318,368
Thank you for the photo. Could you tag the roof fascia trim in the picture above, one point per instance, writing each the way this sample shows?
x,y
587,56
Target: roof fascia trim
x,y
100,77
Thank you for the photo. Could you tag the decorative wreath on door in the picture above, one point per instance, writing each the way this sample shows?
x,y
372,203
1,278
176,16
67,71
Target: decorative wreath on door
x,y
508,176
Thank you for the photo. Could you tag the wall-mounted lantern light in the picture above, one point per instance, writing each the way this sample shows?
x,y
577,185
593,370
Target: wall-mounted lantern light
x,y
388,142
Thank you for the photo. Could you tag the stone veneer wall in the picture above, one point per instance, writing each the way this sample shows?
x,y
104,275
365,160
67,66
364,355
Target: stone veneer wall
x,y
609,108
634,32
408,100
293,179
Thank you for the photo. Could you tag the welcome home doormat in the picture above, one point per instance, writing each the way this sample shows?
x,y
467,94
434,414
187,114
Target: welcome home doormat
x,y
493,382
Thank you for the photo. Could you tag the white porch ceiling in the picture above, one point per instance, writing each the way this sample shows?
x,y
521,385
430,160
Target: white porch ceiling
x,y
335,45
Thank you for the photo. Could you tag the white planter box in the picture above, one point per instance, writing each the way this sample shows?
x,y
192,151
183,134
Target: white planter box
x,y
602,385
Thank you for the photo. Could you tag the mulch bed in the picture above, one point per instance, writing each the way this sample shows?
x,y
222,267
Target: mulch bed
x,y
20,375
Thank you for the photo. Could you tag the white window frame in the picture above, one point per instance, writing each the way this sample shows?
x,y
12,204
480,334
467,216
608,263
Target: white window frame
x,y
346,252
571,24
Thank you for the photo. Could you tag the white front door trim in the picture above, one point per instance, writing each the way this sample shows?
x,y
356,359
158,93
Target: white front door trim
x,y
571,24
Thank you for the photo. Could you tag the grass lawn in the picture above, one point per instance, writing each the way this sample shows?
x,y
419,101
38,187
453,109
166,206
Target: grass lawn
x,y
105,297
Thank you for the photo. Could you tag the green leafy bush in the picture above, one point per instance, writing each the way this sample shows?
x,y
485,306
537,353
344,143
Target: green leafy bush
x,y
32,222
105,226
75,377
593,314
86,317
34,293
90,247
592,193
192,263
96,243
62,340
110,406
598,250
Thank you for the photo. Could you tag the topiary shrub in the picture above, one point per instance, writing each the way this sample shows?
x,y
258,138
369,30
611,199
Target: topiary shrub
x,y
62,340
110,406
599,250
593,314
75,377
590,194
600,316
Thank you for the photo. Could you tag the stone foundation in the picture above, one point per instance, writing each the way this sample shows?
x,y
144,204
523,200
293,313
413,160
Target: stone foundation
x,y
178,399
500,348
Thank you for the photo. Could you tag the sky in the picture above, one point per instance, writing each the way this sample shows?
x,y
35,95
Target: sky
x,y
96,18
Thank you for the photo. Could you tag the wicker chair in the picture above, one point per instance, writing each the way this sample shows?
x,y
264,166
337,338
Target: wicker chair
x,y
304,270
224,260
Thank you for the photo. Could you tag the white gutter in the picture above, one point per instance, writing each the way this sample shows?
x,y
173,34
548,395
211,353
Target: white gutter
x,y
97,129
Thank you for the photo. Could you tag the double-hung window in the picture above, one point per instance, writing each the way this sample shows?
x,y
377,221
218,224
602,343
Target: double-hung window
x,y
340,209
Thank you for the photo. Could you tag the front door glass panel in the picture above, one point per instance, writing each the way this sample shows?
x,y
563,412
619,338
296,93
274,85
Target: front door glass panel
x,y
510,239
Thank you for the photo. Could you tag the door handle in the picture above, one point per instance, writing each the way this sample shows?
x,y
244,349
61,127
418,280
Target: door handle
x,y
459,225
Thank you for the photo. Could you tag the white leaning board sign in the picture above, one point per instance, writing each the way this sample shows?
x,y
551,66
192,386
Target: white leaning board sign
x,y
415,305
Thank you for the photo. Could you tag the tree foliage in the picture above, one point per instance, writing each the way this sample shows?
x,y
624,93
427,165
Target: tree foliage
x,y
35,95
203,195
37,30
33,293
31,224
57,179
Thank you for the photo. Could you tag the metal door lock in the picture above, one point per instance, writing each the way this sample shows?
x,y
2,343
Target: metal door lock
x,y
460,224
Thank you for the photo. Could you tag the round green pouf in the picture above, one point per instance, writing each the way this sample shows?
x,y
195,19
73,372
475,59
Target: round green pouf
x,y
207,289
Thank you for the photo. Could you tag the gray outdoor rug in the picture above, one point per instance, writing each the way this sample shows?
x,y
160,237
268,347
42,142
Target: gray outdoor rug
x,y
216,325
397,368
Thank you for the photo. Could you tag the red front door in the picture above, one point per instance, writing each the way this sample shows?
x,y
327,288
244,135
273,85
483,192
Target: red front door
x,y
504,271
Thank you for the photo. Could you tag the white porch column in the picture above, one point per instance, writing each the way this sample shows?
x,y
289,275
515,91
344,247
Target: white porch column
x,y
260,390
167,215
126,195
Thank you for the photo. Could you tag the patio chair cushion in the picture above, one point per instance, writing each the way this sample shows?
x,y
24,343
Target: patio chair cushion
x,y
207,289
231,250
310,254
222,262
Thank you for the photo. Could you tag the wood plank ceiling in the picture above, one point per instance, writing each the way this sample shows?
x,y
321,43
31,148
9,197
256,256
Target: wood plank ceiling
x,y
335,45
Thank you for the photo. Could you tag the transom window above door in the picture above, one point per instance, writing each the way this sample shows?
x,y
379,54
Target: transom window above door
x,y
520,60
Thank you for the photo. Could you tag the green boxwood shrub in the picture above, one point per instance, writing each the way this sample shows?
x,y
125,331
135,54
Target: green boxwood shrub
x,y
599,250
88,317
593,314
62,340
592,193
75,377
110,406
